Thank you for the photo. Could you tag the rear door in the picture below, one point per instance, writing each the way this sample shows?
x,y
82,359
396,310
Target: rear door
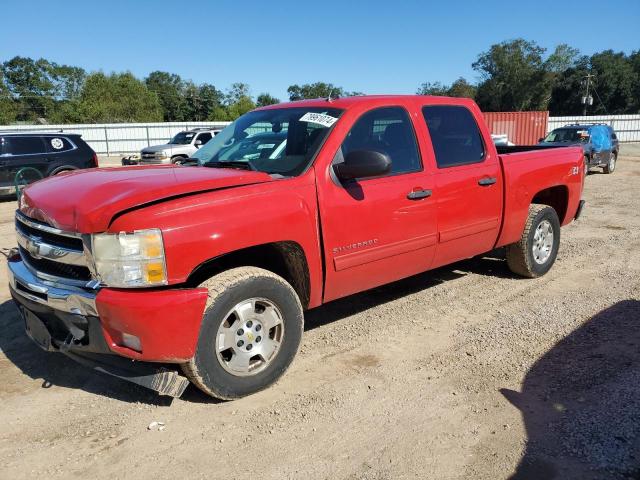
x,y
381,229
23,155
468,184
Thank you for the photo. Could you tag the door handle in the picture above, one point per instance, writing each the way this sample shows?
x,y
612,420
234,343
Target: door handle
x,y
485,182
418,194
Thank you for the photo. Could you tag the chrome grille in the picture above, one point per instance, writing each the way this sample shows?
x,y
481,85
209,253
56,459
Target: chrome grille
x,y
50,253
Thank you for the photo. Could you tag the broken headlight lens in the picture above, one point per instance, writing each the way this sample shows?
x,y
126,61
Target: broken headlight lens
x,y
127,260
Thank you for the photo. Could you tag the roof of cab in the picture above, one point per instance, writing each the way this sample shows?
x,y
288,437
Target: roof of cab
x,y
349,102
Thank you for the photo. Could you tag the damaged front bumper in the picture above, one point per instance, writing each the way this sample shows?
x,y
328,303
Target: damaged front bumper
x,y
95,327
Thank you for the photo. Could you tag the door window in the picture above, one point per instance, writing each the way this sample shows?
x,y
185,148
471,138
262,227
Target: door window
x,y
386,130
204,137
23,145
454,134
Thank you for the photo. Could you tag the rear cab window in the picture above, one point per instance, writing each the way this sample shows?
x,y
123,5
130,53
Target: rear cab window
x,y
455,135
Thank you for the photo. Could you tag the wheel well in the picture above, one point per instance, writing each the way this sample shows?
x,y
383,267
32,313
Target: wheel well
x,y
180,155
286,259
555,197
63,168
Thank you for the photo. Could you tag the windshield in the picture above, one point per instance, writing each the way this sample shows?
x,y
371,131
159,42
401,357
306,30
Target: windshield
x,y
568,135
276,141
183,138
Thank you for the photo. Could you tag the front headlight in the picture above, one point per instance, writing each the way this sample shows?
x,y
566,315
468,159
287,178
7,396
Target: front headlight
x,y
129,259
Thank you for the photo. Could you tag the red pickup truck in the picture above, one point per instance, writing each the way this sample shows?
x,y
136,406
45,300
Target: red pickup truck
x,y
210,265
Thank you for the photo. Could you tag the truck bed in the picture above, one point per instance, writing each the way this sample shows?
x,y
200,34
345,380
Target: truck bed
x,y
529,169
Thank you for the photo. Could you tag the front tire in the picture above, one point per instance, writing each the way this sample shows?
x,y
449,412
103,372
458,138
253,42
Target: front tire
x,y
536,252
611,165
251,331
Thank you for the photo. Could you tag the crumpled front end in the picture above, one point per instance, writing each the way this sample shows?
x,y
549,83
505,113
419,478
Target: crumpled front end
x,y
66,310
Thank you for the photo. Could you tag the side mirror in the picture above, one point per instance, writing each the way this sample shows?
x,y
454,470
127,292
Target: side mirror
x,y
198,143
541,139
362,164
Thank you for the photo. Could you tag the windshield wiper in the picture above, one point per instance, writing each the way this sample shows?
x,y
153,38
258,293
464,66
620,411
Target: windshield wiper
x,y
187,162
245,165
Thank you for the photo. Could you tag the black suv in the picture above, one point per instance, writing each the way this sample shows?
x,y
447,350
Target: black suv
x,y
598,140
48,153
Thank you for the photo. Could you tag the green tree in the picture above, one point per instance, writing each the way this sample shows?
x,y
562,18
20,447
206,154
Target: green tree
x,y
615,83
433,88
316,90
30,83
513,77
459,88
238,100
67,80
8,107
118,97
169,88
462,88
265,99
634,60
568,89
210,99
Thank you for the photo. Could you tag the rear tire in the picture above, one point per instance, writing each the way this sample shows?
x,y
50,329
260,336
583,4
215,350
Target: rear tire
x,y
536,252
250,333
611,165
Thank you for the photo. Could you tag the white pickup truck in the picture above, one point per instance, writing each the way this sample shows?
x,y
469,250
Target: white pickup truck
x,y
181,146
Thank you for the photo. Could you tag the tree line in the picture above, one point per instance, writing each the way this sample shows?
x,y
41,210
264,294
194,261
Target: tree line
x,y
513,75
519,75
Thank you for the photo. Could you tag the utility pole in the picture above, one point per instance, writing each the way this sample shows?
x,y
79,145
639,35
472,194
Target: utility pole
x,y
587,99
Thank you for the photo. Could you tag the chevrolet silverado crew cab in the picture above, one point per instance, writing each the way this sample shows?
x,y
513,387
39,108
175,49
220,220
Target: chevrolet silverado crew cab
x,y
210,266
183,145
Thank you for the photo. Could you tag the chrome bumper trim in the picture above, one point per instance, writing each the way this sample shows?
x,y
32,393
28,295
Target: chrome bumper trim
x,y
67,299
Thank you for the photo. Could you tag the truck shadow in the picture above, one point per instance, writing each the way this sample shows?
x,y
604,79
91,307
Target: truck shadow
x,y
581,401
56,369
491,264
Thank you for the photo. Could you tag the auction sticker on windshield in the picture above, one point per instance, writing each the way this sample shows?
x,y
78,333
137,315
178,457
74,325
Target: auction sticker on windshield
x,y
319,118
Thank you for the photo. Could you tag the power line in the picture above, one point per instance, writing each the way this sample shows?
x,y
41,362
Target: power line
x,y
587,99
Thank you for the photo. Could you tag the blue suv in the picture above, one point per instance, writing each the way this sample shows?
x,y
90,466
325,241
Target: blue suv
x,y
599,143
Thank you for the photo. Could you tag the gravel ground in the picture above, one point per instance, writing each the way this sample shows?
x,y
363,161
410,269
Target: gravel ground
x,y
463,372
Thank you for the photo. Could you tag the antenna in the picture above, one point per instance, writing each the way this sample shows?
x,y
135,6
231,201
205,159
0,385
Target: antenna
x,y
329,99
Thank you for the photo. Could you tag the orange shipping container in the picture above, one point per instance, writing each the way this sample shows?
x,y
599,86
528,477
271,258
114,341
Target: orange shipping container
x,y
521,128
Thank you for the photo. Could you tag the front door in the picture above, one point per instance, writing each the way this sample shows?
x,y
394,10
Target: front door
x,y
381,229
468,183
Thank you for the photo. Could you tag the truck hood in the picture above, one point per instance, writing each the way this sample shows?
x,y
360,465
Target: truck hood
x,y
162,148
86,201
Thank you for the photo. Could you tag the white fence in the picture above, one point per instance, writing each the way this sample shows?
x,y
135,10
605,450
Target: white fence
x,y
119,138
627,127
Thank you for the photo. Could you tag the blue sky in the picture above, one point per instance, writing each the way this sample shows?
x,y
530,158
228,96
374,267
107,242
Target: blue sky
x,y
373,46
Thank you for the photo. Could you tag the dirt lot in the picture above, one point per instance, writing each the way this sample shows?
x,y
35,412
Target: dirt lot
x,y
464,372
